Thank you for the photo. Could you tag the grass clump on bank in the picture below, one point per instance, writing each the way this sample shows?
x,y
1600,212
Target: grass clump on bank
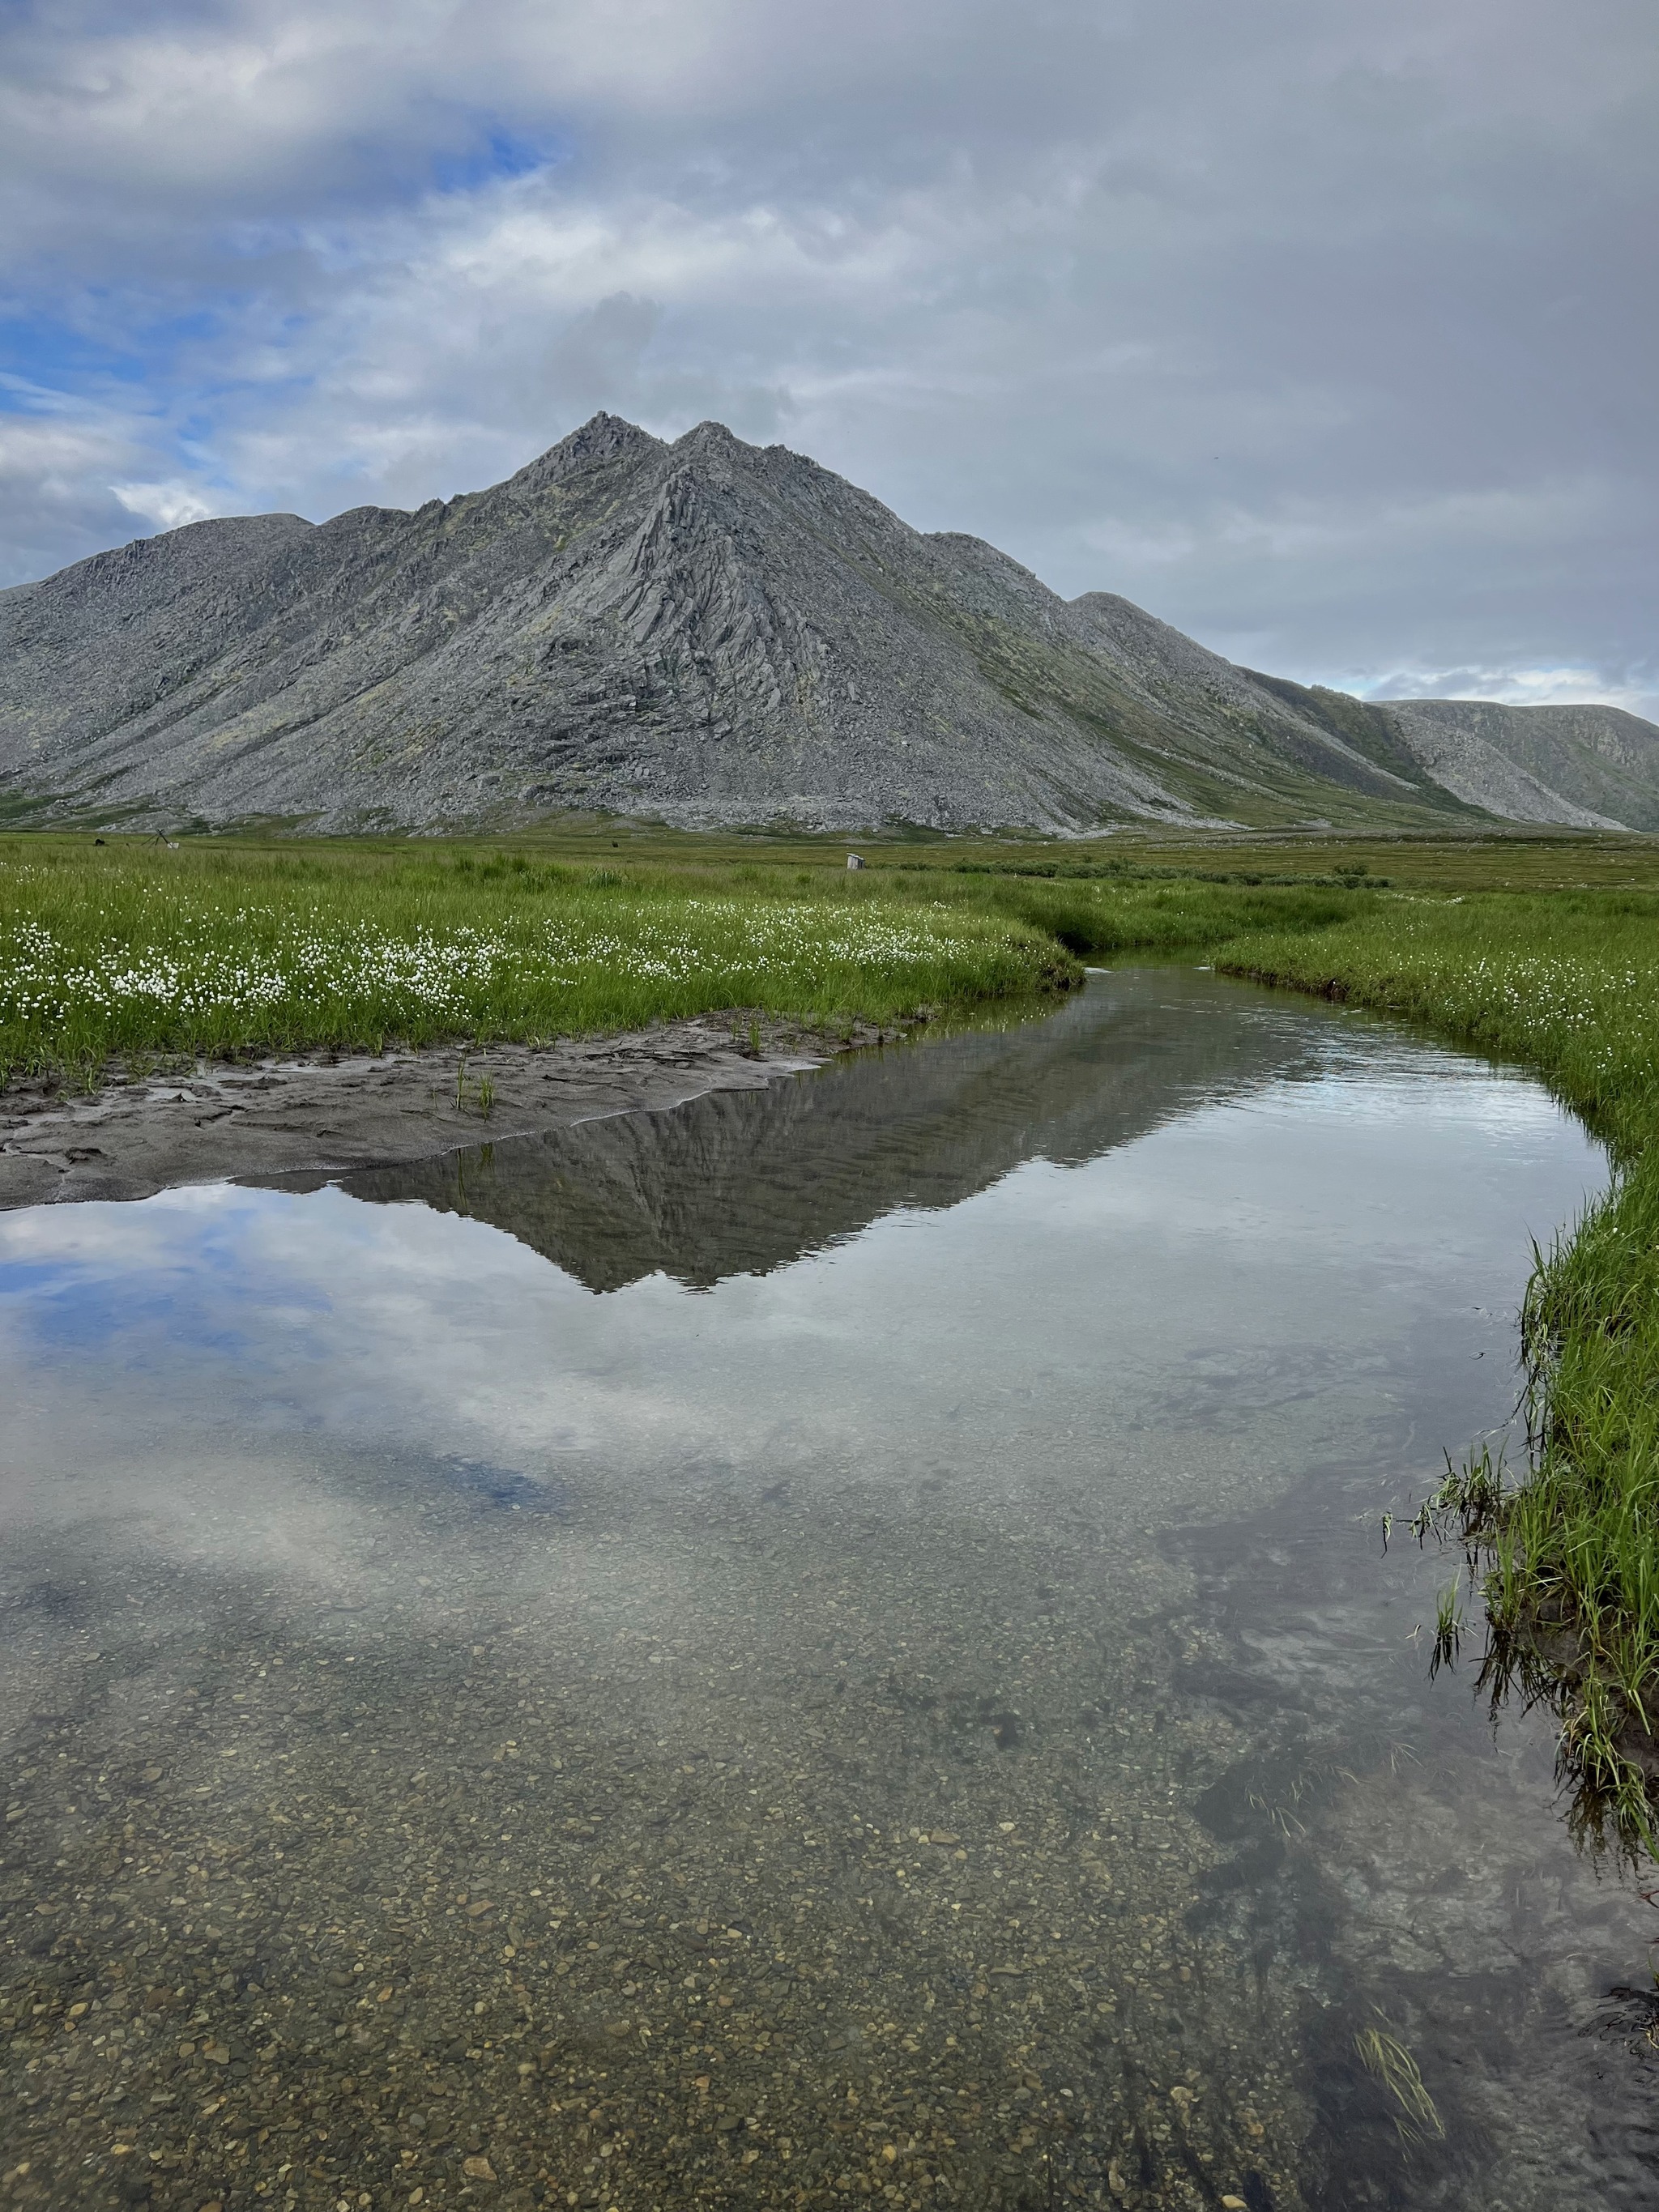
x,y
213,951
1568,1557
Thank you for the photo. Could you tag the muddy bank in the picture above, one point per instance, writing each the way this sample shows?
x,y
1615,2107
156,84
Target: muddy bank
x,y
326,1114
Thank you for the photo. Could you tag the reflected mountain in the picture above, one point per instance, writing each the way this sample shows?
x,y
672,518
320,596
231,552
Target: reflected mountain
x,y
741,1182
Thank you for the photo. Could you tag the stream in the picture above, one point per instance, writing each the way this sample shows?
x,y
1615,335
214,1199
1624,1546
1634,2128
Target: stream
x,y
832,1645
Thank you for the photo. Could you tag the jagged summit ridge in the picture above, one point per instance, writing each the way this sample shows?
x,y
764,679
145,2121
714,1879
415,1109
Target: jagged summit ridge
x,y
702,631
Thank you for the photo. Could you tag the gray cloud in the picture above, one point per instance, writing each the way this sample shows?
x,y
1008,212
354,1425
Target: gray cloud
x,y
1325,333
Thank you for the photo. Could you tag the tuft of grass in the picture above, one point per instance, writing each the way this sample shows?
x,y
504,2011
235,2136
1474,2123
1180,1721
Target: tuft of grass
x,y
1447,1630
1567,1555
1388,2062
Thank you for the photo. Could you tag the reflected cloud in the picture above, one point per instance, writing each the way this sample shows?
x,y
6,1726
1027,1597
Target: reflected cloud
x,y
952,1628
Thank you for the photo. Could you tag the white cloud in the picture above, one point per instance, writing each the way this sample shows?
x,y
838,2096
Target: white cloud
x,y
168,505
1508,687
1322,328
56,466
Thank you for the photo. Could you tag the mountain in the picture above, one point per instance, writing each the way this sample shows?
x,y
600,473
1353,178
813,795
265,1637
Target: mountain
x,y
1597,765
701,632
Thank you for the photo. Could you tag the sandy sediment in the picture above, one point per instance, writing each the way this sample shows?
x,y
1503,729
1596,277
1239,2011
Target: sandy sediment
x,y
253,1119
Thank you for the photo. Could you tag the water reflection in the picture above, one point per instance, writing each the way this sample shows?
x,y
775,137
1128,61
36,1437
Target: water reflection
x,y
741,1182
900,1698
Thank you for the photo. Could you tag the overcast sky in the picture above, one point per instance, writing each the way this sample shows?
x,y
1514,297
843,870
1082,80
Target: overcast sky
x,y
1328,330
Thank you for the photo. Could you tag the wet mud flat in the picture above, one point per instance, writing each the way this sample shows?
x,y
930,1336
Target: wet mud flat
x,y
828,1646
136,1134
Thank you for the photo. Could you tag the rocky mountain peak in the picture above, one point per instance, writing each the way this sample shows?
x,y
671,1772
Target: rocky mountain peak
x,y
601,438
702,631
712,437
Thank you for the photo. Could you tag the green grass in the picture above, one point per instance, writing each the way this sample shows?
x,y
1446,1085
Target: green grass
x,y
1567,1554
131,949
1389,2061
1102,919
134,950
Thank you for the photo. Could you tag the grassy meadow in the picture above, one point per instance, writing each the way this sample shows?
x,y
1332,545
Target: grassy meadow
x,y
1539,949
129,951
132,949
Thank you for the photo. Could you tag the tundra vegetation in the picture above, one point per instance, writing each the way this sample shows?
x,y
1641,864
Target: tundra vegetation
x,y
1541,950
133,952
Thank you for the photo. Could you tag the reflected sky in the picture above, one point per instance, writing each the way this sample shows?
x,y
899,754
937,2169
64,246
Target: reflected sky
x,y
1128,1261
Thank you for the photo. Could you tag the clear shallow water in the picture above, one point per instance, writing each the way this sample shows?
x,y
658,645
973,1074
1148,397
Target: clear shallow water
x,y
833,1644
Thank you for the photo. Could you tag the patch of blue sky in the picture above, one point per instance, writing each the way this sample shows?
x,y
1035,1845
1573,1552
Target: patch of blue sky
x,y
29,1278
174,1281
20,395
194,403
75,1313
330,247
498,157
42,355
158,1326
195,429
349,235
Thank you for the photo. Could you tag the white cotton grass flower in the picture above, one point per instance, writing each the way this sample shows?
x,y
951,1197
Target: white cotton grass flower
x,y
179,977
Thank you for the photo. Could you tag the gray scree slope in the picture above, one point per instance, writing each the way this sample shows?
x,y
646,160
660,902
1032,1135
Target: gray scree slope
x,y
1592,765
702,632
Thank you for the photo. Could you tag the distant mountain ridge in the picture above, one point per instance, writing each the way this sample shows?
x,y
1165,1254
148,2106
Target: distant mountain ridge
x,y
704,632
